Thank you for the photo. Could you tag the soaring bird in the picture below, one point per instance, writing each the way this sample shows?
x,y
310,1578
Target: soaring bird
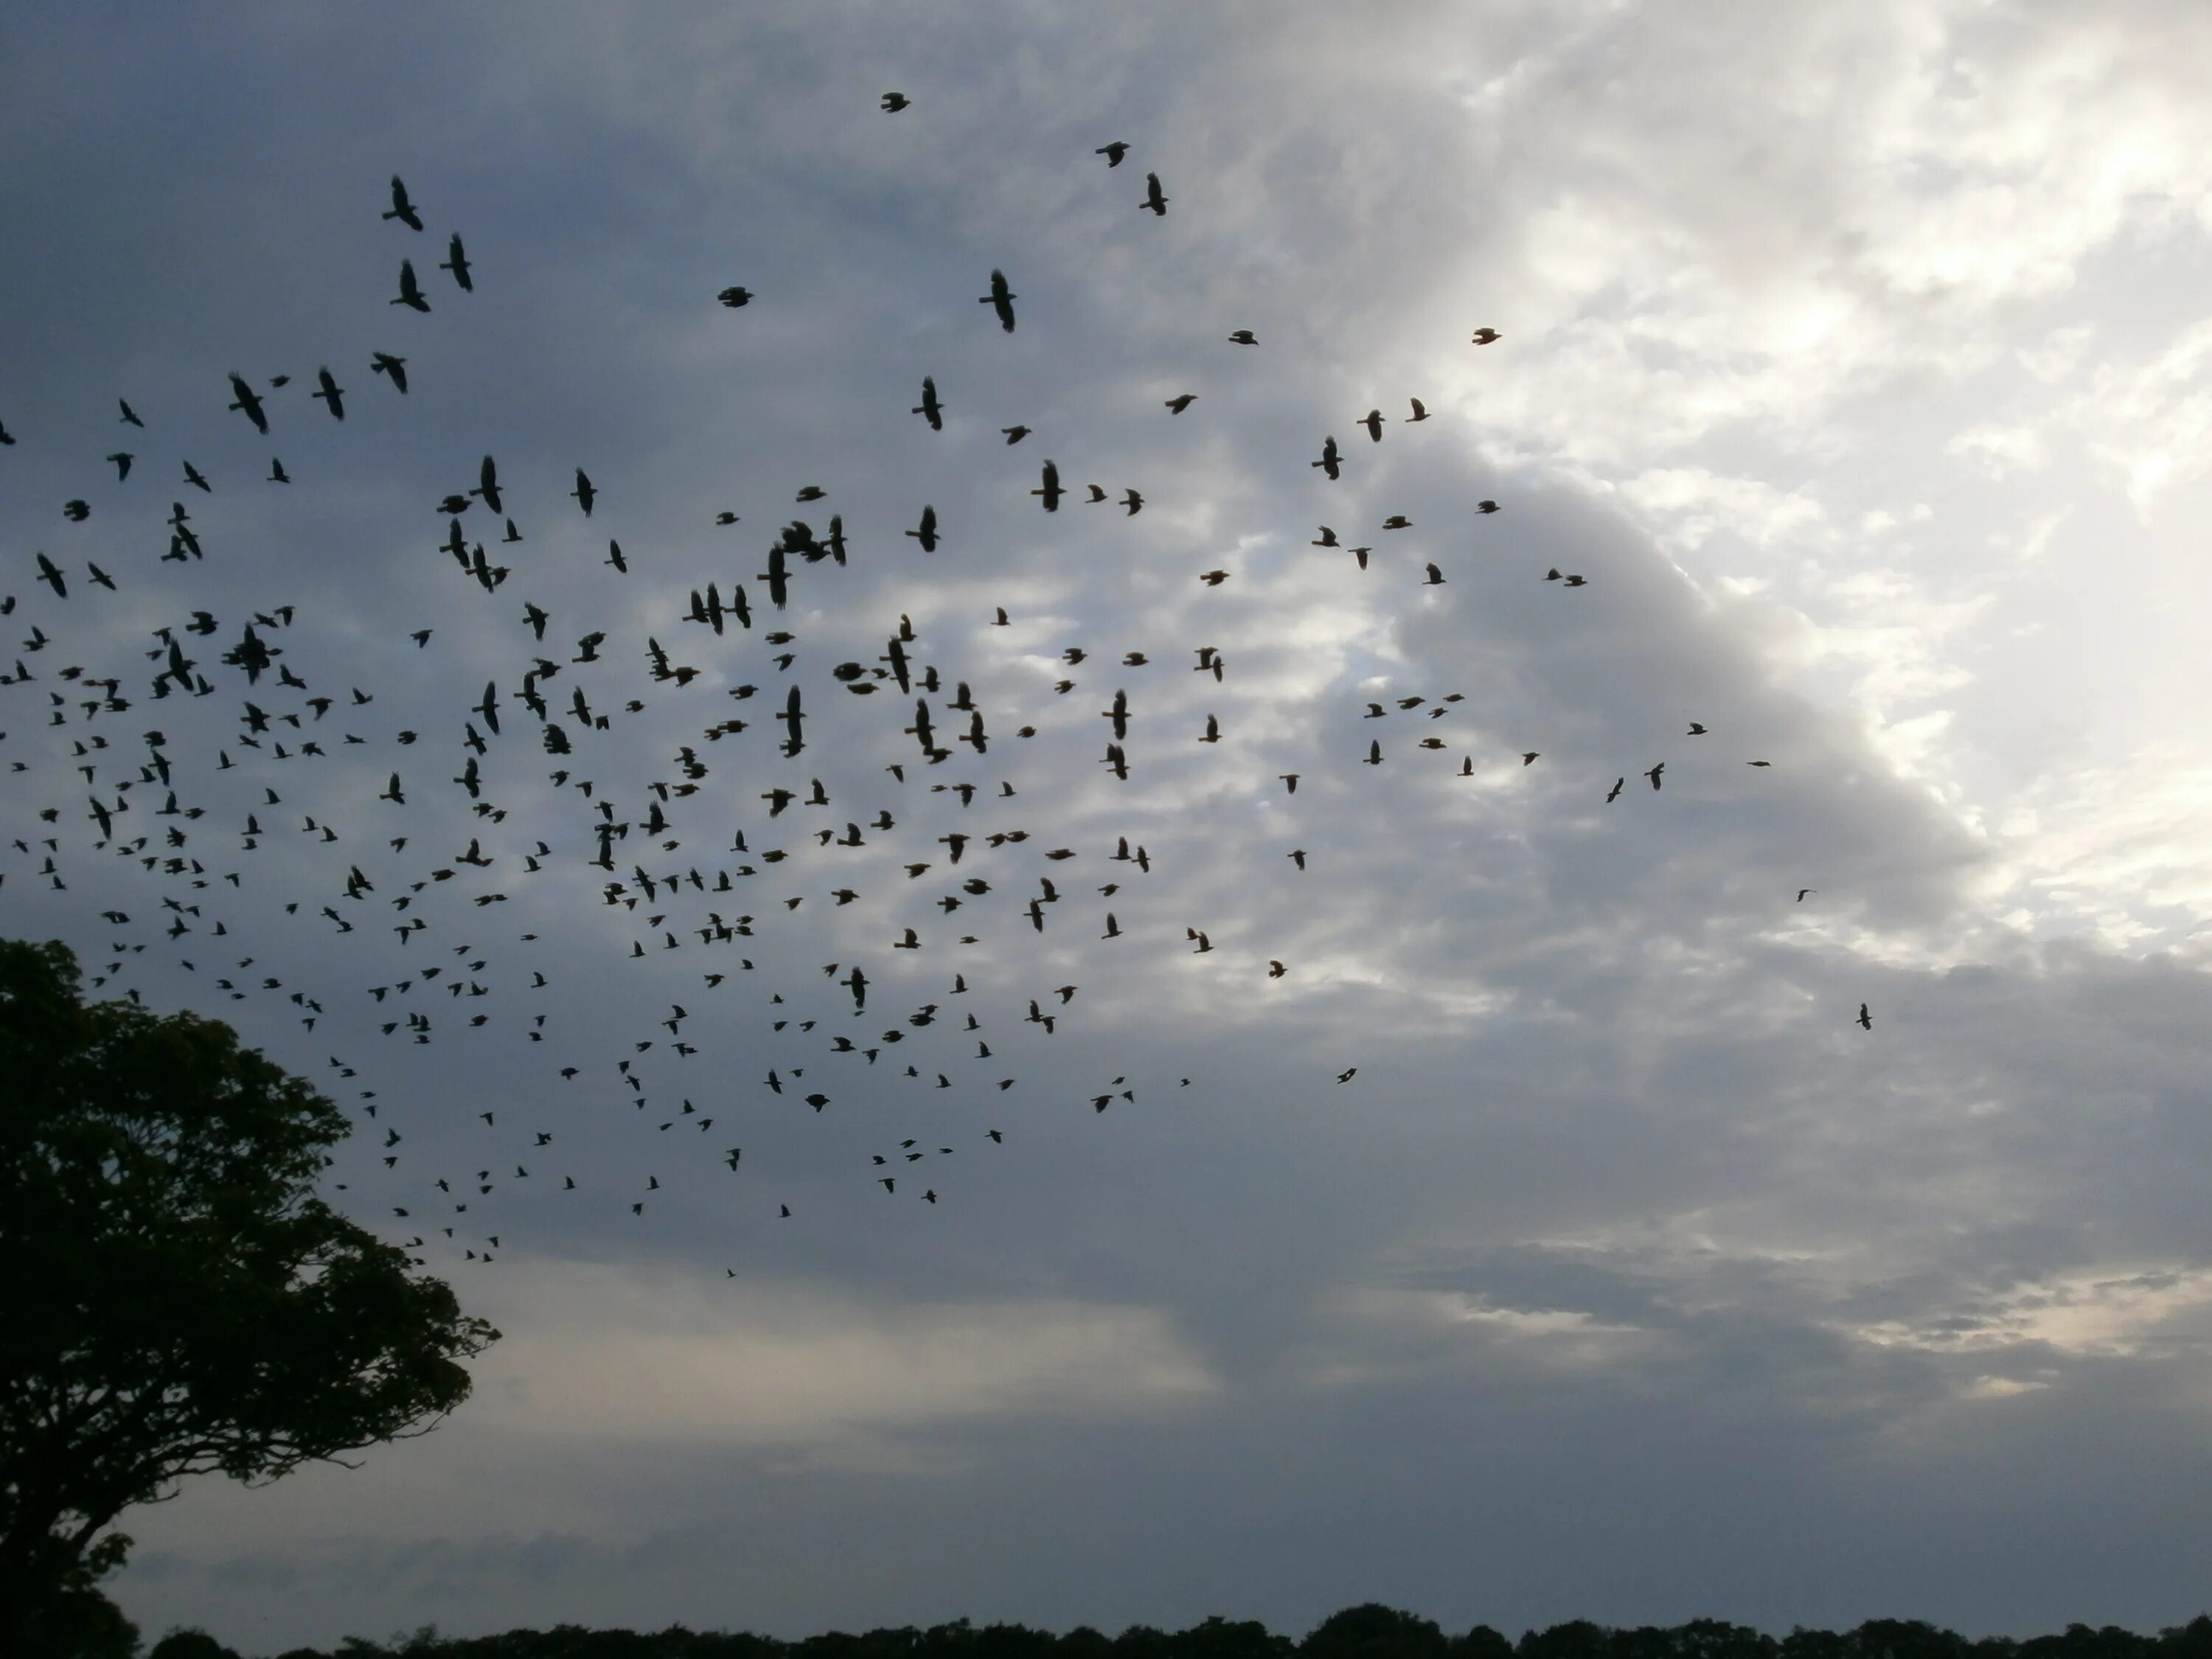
x,y
1050,489
929,409
1181,402
1113,152
332,395
456,262
411,294
248,403
584,493
1696,730
1614,794
1373,420
926,534
1327,461
130,415
893,102
121,460
1153,199
1001,300
1133,501
1397,521
1485,336
1243,337
1866,1020
392,369
1436,578
487,487
1802,891
1654,774
402,209
734,297
1420,410
50,573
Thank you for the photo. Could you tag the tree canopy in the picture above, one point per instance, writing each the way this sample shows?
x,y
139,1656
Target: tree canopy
x,y
181,1302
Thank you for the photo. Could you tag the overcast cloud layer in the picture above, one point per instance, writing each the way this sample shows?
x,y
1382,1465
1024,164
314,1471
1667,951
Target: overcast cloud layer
x,y
1856,353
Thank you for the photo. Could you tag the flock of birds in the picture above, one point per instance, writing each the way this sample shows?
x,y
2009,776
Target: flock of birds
x,y
184,822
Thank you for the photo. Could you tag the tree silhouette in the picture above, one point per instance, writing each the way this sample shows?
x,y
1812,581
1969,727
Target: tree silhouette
x,y
184,1303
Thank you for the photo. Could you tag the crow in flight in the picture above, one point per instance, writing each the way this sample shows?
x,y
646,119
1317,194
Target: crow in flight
x,y
926,534
1153,199
411,294
1113,152
1001,300
392,369
929,409
584,493
249,404
332,395
402,209
734,297
1050,490
893,102
1327,461
458,262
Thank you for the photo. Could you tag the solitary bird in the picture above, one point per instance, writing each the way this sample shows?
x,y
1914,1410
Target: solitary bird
x,y
893,102
1181,402
1485,336
1153,199
734,297
1866,1020
1802,891
1001,300
402,209
410,294
1243,337
248,403
929,409
1696,730
1113,152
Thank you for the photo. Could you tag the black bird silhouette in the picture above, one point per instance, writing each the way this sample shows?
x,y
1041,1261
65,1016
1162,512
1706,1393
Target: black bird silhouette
x,y
1485,336
584,493
1113,152
456,262
1802,891
192,477
1050,489
1327,461
1181,402
392,369
927,534
1696,730
402,209
929,409
411,294
122,465
1614,794
331,394
893,102
50,573
1243,337
76,511
1420,410
1001,300
247,402
130,415
1373,420
1866,1020
1153,198
1654,774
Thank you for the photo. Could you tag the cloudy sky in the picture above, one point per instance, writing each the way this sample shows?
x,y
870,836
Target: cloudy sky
x,y
1854,354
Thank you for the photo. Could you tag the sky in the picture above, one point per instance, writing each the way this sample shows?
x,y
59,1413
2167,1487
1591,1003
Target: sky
x,y
1855,354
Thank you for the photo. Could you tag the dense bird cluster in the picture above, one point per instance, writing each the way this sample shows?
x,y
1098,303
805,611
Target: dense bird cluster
x,y
682,866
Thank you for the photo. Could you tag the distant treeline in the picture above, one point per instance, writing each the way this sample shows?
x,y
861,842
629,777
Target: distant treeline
x,y
1371,1632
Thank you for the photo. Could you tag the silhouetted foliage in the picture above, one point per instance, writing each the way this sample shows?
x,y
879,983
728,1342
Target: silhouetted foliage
x,y
183,1304
190,1643
1370,1631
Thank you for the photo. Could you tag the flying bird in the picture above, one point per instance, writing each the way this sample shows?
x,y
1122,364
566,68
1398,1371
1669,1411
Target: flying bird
x,y
893,102
1113,152
1050,489
1485,336
1153,199
1001,300
584,493
734,297
1866,1020
1181,402
392,369
331,394
1420,410
410,294
1327,461
402,209
456,262
929,409
248,403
